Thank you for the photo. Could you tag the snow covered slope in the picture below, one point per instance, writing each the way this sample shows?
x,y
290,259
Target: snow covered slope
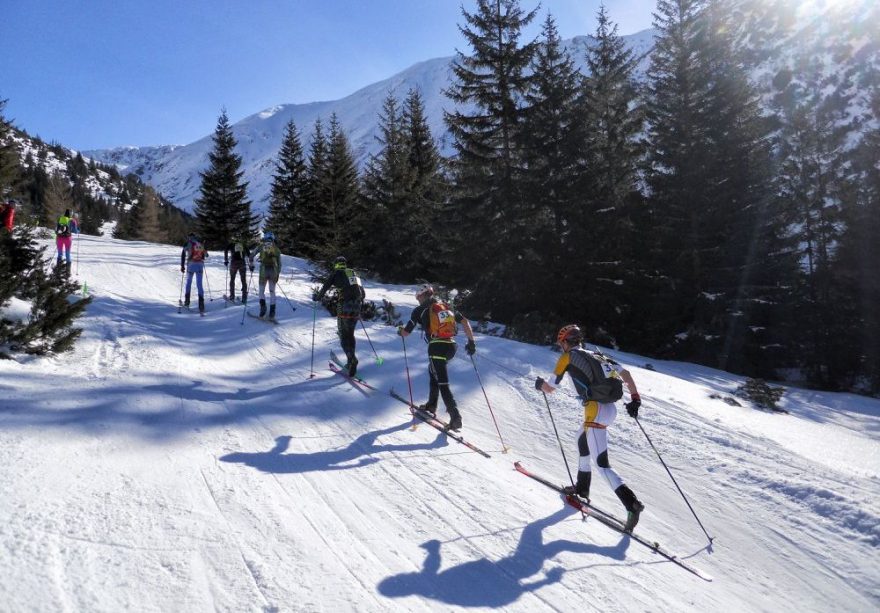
x,y
179,463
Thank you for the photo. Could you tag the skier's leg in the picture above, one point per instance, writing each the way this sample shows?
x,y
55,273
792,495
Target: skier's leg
x,y
584,475
189,282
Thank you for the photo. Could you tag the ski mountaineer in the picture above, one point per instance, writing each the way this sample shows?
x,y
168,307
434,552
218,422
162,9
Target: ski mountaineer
x,y
242,259
438,323
64,231
192,261
270,272
597,381
348,307
7,215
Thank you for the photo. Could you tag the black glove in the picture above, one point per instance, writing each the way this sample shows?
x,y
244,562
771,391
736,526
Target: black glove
x,y
316,297
470,347
226,263
252,269
632,407
182,269
539,384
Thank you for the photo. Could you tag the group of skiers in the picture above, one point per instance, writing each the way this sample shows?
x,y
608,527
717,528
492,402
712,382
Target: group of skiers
x,y
598,380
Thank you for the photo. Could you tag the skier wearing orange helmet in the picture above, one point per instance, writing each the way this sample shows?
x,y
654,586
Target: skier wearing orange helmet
x,y
598,381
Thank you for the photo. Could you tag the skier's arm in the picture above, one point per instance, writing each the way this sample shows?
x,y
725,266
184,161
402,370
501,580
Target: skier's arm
x,y
630,382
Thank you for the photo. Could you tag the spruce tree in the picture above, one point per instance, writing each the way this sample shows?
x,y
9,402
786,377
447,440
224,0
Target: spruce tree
x,y
489,90
551,151
289,190
345,209
222,209
315,215
610,227
386,190
425,213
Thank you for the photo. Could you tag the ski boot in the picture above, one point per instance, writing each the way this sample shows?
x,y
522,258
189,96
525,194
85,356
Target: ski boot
x,y
430,409
352,366
634,508
454,419
271,311
582,487
186,301
201,304
262,307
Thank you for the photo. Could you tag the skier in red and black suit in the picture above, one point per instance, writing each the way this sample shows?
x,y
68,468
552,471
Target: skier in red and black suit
x,y
439,322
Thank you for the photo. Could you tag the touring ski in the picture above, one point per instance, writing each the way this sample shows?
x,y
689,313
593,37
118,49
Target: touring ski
x,y
339,370
439,424
263,319
344,370
612,522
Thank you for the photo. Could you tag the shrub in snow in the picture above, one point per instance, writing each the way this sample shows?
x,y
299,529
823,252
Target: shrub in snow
x,y
760,393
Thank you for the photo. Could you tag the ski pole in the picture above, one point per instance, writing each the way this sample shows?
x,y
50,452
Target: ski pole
x,y
289,303
314,318
76,272
250,285
558,440
208,283
504,448
180,299
711,538
226,284
408,381
379,360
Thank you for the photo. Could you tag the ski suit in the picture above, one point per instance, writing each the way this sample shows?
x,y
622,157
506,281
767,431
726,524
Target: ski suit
x,y
7,215
348,307
593,439
270,272
64,231
440,352
241,260
194,255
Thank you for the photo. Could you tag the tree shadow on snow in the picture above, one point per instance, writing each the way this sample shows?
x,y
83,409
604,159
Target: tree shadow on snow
x,y
360,452
486,583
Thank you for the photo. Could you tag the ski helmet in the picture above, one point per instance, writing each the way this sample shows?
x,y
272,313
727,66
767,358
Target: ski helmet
x,y
571,334
340,262
424,293
269,236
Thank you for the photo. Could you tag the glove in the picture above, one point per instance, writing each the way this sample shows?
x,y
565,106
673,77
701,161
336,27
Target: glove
x,y
539,384
632,407
470,347
252,269
182,269
399,330
226,263
315,296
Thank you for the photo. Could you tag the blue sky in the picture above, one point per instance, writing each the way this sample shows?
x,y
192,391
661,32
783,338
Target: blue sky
x,y
105,73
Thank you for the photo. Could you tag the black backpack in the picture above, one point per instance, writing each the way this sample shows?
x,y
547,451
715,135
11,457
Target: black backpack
x,y
602,388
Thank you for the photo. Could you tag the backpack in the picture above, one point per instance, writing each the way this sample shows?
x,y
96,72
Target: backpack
x,y
602,388
63,230
441,321
268,256
196,251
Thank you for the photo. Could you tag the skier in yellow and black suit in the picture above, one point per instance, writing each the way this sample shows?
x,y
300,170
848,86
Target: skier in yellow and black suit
x,y
348,307
598,381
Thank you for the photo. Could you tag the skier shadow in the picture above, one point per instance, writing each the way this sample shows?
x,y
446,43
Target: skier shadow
x,y
360,452
484,583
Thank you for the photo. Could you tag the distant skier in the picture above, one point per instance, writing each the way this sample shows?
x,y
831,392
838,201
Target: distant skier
x,y
348,307
64,231
598,381
193,257
438,322
270,272
242,259
7,214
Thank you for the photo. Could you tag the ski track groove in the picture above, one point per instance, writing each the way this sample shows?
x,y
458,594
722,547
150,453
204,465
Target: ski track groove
x,y
244,561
